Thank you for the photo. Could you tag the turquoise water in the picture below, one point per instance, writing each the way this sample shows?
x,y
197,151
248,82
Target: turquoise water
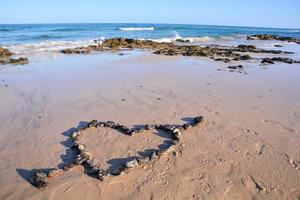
x,y
43,36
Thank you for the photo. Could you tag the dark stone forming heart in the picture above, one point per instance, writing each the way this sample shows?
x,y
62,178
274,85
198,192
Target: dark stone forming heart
x,y
39,179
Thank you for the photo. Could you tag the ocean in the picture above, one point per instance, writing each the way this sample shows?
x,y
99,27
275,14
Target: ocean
x,y
24,38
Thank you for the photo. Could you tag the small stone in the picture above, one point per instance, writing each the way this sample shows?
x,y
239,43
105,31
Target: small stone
x,y
69,166
187,126
79,160
81,147
119,171
153,156
76,135
55,172
132,163
100,124
85,154
93,123
39,179
198,119
149,127
143,160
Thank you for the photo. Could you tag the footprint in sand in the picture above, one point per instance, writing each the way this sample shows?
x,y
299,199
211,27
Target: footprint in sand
x,y
295,163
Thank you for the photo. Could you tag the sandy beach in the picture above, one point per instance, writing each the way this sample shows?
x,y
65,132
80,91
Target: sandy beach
x,y
248,146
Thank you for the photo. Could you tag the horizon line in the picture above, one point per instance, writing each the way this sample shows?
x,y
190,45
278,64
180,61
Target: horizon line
x,y
153,23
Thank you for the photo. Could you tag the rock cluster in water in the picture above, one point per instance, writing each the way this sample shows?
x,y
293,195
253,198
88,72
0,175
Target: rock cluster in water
x,y
5,58
40,178
218,53
273,37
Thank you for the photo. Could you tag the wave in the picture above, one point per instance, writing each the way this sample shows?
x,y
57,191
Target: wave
x,y
5,30
68,29
51,46
45,37
137,29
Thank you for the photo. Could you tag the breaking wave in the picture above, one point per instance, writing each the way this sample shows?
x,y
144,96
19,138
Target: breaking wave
x,y
51,46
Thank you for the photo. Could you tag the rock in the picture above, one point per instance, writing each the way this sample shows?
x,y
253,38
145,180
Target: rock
x,y
182,40
243,57
273,37
235,67
55,172
85,154
39,179
145,160
198,119
225,60
176,134
5,52
246,48
18,61
132,163
81,147
76,135
277,45
149,127
119,171
93,123
285,60
69,166
267,61
187,126
153,156
80,160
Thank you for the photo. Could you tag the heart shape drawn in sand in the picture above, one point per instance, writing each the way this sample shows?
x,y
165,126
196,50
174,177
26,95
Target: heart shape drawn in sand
x,y
40,177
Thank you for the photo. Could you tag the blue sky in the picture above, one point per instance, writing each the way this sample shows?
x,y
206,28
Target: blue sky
x,y
262,13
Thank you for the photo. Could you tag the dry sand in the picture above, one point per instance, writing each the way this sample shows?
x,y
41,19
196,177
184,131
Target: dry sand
x,y
247,148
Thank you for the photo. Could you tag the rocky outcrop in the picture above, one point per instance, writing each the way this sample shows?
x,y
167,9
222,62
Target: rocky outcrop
x,y
273,37
218,53
5,58
279,59
5,52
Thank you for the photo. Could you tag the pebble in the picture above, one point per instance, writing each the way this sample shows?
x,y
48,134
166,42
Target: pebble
x,y
39,179
55,172
132,163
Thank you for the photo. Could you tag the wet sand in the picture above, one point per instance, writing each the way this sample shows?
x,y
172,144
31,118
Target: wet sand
x,y
247,148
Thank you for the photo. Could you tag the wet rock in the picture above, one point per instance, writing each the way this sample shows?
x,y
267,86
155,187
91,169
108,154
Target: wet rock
x,y
267,61
78,50
277,45
5,52
182,40
55,172
110,124
243,57
247,48
225,60
273,37
18,61
132,163
235,67
285,60
39,179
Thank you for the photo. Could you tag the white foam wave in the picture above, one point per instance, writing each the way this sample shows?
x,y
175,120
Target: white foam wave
x,y
137,29
51,46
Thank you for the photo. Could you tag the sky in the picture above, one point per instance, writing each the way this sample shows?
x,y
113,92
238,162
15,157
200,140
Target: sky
x,y
256,13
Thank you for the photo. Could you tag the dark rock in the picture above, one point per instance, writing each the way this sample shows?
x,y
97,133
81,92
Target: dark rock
x,y
243,57
119,171
182,40
93,123
225,60
277,45
149,127
273,37
235,67
18,61
267,61
39,179
198,119
187,126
